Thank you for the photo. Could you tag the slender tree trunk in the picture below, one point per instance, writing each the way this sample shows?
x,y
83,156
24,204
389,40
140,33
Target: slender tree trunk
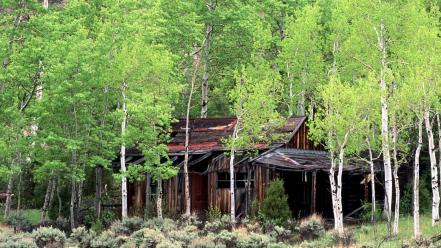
x,y
204,88
232,189
339,190
46,4
416,184
46,199
371,165
439,145
124,210
8,197
302,93
232,175
79,197
19,191
159,199
196,62
98,186
396,179
51,197
385,125
433,169
60,203
148,193
72,203
334,194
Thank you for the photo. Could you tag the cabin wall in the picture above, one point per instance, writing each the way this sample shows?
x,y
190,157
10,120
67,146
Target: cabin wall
x,y
300,139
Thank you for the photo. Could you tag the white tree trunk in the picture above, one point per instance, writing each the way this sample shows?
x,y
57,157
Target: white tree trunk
x,y
196,61
46,4
385,125
439,146
373,200
395,175
416,184
72,203
8,197
232,189
124,210
44,211
204,87
159,199
433,169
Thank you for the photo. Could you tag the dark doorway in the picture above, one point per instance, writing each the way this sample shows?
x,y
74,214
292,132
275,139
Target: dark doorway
x,y
199,193
298,188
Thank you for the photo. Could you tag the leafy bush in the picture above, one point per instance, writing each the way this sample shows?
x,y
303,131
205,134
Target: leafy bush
x,y
280,233
82,237
205,242
366,213
311,227
19,222
49,237
147,237
164,224
227,238
184,236
279,245
218,225
127,226
107,239
18,244
344,239
406,206
275,206
97,226
62,224
192,220
213,214
168,244
251,240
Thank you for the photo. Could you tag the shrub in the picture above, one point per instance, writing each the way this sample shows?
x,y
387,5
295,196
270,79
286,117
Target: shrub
x,y
164,224
252,240
184,236
275,206
127,226
205,242
18,244
214,214
344,239
62,224
406,206
280,233
218,225
279,245
192,219
366,213
19,222
82,237
107,239
49,237
146,237
227,238
97,226
311,227
168,244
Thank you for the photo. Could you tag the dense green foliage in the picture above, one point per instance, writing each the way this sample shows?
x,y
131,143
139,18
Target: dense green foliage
x,y
275,205
364,72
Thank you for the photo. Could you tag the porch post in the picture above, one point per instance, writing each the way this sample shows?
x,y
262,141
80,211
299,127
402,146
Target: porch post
x,y
313,192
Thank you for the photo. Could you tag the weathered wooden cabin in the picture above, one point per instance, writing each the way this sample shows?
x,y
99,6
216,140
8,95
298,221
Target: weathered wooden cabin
x,y
293,158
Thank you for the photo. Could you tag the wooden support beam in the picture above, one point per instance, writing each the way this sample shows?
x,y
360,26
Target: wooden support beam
x,y
314,192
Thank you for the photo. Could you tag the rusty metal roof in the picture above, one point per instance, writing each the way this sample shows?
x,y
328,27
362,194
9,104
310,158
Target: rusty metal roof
x,y
307,160
207,134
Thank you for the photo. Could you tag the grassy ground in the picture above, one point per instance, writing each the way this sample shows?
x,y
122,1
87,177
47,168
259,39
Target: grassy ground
x,y
369,235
